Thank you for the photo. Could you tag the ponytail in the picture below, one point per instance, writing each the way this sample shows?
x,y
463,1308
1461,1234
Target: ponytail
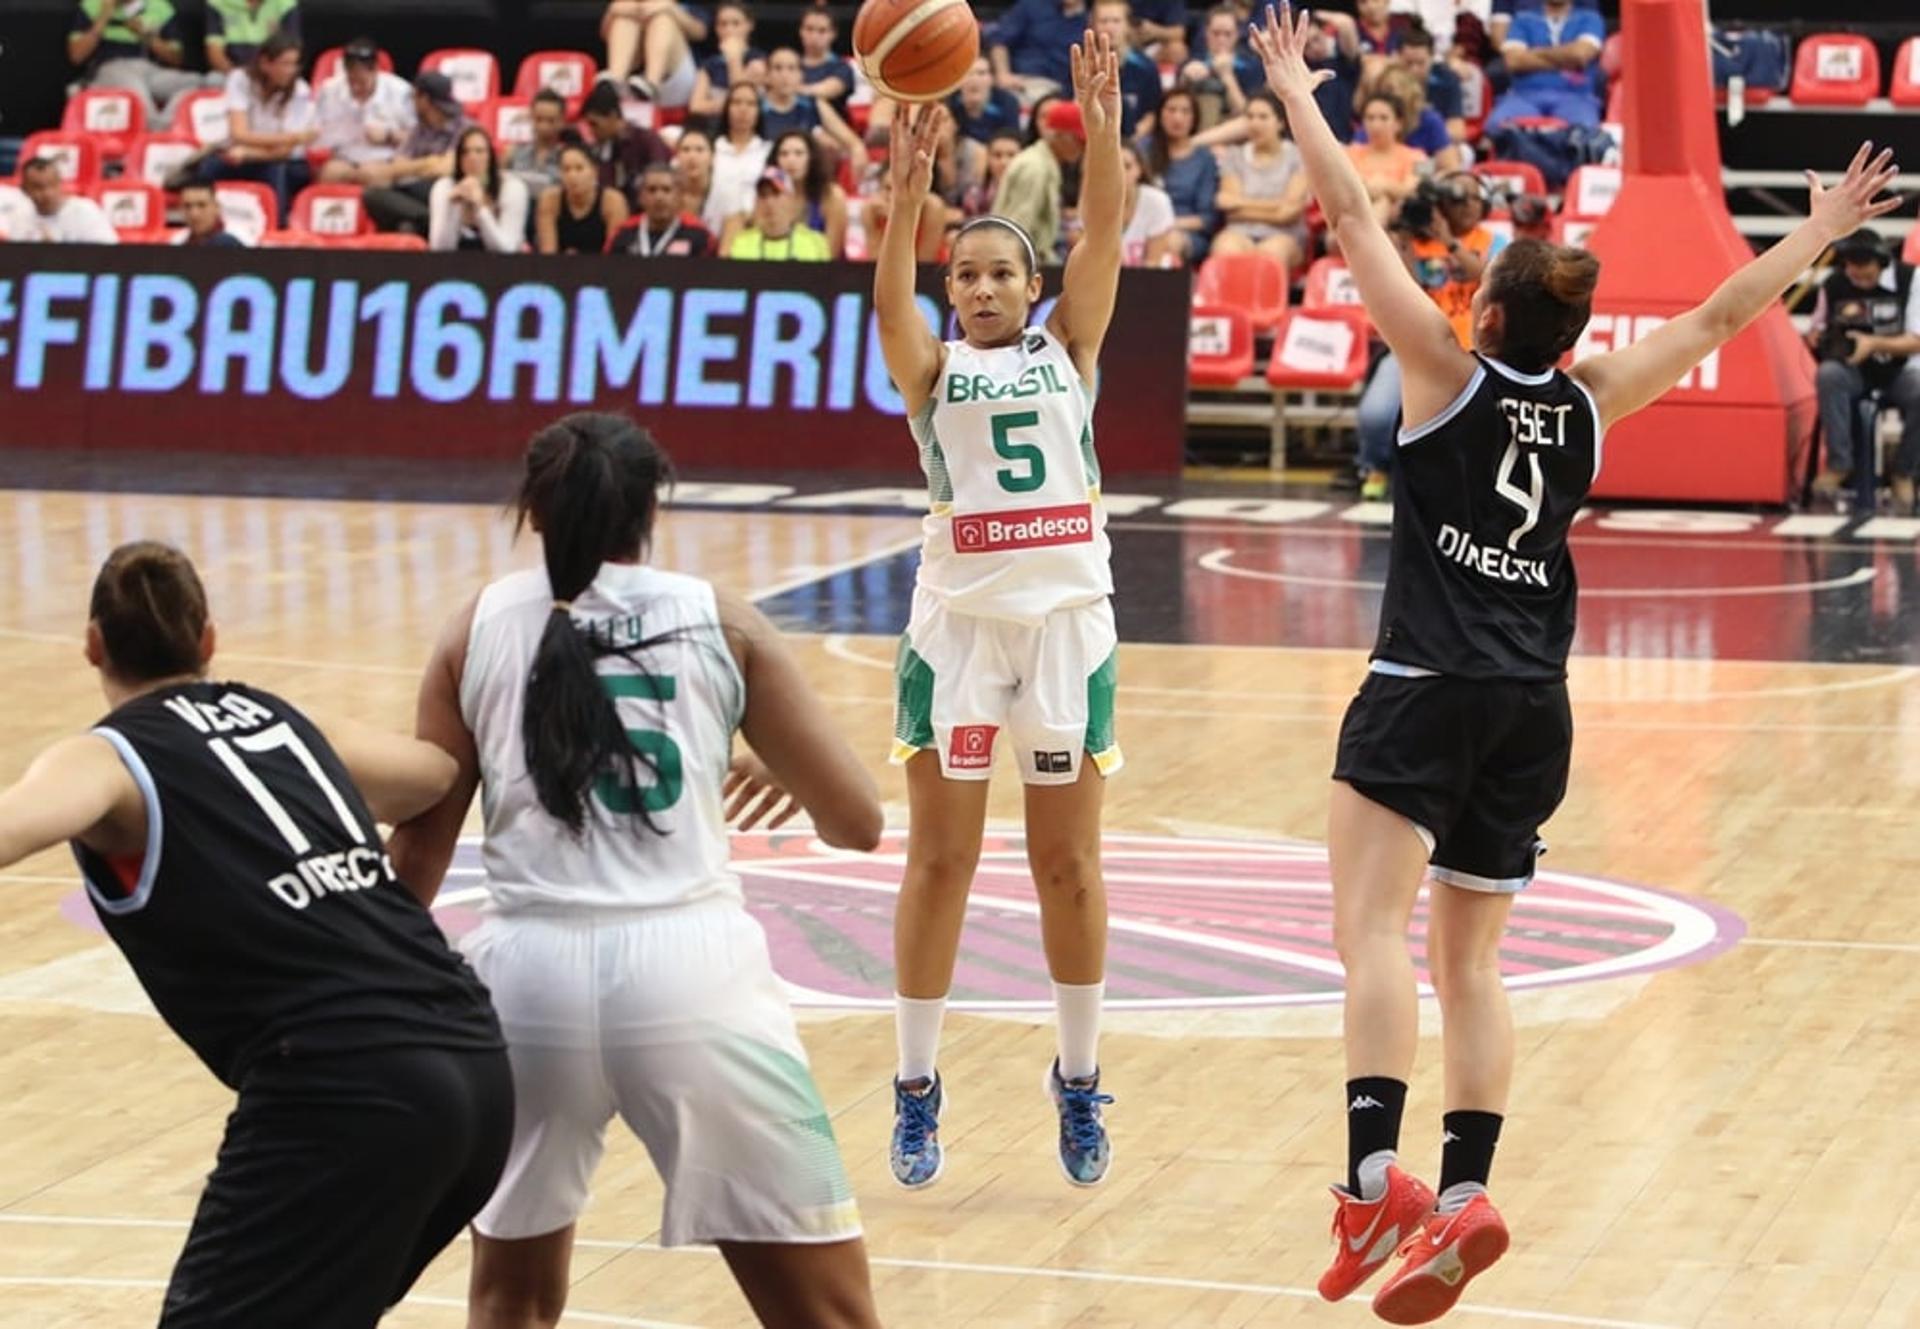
x,y
591,490
151,611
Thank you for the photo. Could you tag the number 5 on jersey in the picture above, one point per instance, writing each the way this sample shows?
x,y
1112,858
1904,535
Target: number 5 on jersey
x,y
654,746
1028,454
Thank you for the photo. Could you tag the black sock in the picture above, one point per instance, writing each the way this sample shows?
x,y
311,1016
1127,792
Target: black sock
x,y
1467,1151
1374,1105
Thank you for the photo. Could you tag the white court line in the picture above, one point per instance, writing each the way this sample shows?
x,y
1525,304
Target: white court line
x,y
1812,944
1219,560
884,1262
808,576
356,667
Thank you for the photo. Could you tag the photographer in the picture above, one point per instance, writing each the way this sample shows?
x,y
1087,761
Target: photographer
x,y
1446,248
1865,326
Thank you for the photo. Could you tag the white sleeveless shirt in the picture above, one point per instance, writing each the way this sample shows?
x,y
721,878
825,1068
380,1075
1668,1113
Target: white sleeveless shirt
x,y
681,704
1015,529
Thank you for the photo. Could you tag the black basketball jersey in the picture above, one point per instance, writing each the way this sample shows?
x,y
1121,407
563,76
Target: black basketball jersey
x,y
263,914
1479,582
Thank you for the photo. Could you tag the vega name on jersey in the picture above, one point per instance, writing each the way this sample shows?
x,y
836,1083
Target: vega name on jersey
x,y
235,726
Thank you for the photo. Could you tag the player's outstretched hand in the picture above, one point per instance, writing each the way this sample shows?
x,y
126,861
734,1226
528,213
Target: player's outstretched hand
x,y
1281,43
913,143
1854,201
1096,83
752,795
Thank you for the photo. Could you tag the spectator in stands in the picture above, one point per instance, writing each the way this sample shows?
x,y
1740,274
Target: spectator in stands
x,y
1147,241
1865,331
1551,53
1032,190
736,61
929,240
364,116
237,29
1228,75
1160,30
1499,18
1188,172
272,118
479,206
1030,45
1263,191
1381,32
824,76
137,47
1447,249
1387,165
823,202
739,157
622,148
578,215
1336,49
537,161
398,190
1442,19
1437,80
976,197
1426,129
980,113
664,229
777,231
783,108
206,229
693,168
659,35
1139,75
57,217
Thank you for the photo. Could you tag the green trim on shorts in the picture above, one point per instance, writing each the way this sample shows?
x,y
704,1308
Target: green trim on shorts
x,y
790,1101
1101,685
913,697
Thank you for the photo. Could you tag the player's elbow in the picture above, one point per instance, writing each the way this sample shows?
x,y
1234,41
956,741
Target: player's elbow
x,y
853,823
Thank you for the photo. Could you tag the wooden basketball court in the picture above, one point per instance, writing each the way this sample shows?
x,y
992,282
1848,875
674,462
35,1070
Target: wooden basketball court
x,y
1716,992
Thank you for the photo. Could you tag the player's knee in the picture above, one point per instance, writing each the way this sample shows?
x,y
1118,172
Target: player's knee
x,y
1457,970
943,867
1066,874
1358,931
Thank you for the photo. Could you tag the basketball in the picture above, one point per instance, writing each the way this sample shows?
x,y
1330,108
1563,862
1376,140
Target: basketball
x,y
916,50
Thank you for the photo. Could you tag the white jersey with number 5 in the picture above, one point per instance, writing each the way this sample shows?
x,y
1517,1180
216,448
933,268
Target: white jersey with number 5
x,y
681,703
1016,529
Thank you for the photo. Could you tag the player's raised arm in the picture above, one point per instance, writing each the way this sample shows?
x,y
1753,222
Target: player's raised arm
x,y
911,350
1093,269
1624,381
1433,364
68,791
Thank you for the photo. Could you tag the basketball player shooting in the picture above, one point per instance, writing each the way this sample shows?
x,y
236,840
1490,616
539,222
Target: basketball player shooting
x,y
1012,624
1457,747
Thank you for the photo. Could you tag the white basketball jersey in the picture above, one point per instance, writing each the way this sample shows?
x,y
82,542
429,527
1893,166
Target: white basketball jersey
x,y
681,703
1015,529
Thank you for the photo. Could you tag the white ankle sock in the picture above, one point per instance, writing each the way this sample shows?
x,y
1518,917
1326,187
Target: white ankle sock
x,y
1077,1010
1458,1196
1373,1173
916,1030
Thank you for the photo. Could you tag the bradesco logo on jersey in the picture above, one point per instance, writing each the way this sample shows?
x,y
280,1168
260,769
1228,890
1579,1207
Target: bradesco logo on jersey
x,y
1029,528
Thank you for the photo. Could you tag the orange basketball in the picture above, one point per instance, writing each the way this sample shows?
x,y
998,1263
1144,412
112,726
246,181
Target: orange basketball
x,y
916,50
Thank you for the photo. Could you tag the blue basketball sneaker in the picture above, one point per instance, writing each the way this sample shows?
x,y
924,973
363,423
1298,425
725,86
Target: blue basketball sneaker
x,y
916,1154
1084,1149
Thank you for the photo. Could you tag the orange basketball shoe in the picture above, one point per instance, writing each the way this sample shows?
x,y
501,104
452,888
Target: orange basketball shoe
x,y
1440,1261
1366,1232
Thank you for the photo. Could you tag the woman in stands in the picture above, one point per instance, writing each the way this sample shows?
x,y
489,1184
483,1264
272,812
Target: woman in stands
x,y
1148,239
479,206
739,156
1187,171
824,202
1263,192
1012,626
578,215
693,165
976,199
594,699
272,118
1385,164
1457,747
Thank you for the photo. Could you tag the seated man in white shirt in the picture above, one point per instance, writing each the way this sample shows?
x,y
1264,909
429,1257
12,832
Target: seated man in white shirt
x,y
57,217
365,114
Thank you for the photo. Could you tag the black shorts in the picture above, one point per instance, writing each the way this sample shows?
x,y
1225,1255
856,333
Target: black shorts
x,y
340,1178
1479,764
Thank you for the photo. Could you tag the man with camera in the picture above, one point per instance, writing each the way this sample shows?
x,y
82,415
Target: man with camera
x,y
1864,331
1446,248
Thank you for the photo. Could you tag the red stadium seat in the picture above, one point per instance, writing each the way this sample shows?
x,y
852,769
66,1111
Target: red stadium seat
x,y
1835,69
327,67
154,157
136,209
507,120
249,210
1256,284
1219,346
569,73
1512,177
1330,285
202,117
293,238
77,155
1590,191
1319,349
111,117
475,74
330,210
1573,231
396,240
1905,87
1911,254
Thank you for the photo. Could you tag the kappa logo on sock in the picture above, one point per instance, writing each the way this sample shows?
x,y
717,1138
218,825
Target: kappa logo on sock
x,y
1364,1101
1448,1137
